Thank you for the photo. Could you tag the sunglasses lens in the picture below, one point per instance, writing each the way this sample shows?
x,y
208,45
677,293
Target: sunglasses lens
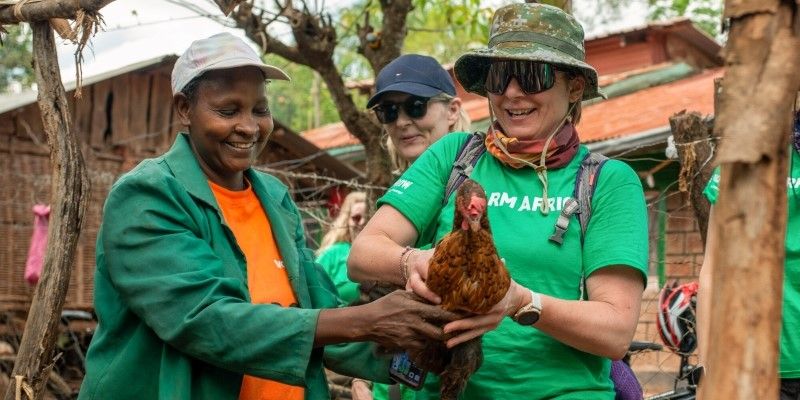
x,y
533,77
416,107
497,78
386,113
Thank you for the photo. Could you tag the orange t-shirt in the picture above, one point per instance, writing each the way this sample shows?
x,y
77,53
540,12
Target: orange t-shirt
x,y
266,276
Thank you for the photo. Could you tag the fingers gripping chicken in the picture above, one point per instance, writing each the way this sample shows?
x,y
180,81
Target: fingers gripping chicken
x,y
469,276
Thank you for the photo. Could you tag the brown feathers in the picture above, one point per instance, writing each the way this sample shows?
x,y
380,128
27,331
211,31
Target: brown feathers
x,y
470,278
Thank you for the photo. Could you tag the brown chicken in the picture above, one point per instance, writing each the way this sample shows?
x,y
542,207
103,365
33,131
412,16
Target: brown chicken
x,y
469,276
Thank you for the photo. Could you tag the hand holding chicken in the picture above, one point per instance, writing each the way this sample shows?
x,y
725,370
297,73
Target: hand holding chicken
x,y
470,279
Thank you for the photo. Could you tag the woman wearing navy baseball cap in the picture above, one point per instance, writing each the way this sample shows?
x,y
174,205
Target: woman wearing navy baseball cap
x,y
415,101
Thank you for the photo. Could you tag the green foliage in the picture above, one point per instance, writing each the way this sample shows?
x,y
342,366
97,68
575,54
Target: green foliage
x,y
446,29
443,29
706,14
16,59
293,102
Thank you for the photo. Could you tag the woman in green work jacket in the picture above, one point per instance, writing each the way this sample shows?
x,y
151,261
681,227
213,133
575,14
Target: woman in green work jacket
x,y
204,287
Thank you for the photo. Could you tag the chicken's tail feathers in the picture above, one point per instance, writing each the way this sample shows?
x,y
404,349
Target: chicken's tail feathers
x,y
466,358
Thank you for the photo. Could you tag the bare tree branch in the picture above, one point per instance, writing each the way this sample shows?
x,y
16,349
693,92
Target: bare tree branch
x,y
382,46
44,10
316,40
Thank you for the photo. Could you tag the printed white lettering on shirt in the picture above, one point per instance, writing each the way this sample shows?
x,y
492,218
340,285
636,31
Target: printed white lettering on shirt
x,y
526,203
403,183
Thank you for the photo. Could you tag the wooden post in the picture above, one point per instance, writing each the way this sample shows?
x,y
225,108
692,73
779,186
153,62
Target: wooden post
x,y
69,191
754,124
44,10
693,138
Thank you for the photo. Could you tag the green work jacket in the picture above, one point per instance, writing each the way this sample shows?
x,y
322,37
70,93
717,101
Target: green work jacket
x,y
171,296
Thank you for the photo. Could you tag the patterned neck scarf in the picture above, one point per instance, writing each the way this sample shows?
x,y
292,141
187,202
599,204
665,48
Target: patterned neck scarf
x,y
554,152
518,153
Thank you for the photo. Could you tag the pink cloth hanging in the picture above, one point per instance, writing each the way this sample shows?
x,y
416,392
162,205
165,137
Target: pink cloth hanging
x,y
33,267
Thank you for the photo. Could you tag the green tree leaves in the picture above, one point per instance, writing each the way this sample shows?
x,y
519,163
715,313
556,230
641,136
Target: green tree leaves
x,y
16,58
706,14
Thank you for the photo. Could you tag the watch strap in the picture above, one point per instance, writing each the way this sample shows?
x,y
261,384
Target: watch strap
x,y
534,305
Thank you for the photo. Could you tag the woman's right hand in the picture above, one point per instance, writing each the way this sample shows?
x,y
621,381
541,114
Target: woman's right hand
x,y
403,320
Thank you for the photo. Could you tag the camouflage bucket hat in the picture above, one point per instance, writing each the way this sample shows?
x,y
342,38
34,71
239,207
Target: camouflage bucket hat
x,y
535,32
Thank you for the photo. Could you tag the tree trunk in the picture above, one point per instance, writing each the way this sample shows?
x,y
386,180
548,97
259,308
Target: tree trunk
x,y
693,138
315,42
69,191
44,10
754,122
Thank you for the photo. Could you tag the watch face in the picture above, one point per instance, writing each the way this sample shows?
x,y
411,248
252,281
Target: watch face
x,y
528,317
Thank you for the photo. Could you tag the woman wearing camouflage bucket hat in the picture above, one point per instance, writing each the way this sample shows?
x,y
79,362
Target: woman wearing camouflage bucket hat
x,y
563,329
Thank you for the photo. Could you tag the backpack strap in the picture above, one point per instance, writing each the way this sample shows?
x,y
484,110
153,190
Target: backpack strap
x,y
581,201
465,161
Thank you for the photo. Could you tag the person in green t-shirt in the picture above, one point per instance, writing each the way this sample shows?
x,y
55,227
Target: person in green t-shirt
x,y
789,366
415,102
585,291
335,245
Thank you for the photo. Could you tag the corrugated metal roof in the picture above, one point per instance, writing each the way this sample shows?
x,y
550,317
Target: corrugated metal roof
x,y
12,101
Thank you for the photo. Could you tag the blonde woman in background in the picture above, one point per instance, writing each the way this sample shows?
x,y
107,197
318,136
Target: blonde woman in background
x,y
335,245
415,101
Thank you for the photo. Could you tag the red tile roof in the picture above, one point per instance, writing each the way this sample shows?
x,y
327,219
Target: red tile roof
x,y
621,116
330,136
649,108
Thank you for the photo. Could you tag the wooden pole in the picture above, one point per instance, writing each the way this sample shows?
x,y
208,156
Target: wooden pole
x,y
69,191
754,124
44,10
693,137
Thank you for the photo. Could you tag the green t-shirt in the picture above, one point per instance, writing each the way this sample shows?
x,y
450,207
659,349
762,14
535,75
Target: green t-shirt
x,y
522,362
790,330
334,261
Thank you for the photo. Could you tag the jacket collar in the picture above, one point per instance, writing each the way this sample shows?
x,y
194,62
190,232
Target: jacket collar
x,y
184,165
185,168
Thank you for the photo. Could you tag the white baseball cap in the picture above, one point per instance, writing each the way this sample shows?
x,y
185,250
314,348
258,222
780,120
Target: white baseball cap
x,y
220,51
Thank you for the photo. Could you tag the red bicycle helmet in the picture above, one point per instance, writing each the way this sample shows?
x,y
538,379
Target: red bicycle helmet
x,y
676,317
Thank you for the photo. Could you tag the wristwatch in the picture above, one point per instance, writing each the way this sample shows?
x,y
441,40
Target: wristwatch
x,y
529,313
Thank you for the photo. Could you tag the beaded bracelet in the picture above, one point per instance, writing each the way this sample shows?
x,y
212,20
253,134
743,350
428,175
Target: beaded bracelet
x,y
404,256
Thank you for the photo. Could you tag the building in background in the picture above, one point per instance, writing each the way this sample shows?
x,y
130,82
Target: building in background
x,y
123,117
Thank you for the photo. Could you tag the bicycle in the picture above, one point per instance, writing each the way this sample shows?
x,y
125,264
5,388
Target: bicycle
x,y
75,333
676,327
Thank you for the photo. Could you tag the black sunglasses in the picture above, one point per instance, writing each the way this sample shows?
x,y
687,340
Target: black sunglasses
x,y
533,77
415,107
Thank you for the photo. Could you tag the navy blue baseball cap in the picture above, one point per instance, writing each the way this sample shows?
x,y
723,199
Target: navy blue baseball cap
x,y
413,74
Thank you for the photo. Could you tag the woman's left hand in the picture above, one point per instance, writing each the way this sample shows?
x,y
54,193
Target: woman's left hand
x,y
418,263
469,328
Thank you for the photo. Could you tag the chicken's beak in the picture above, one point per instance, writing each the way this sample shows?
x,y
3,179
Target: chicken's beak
x,y
475,211
475,223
